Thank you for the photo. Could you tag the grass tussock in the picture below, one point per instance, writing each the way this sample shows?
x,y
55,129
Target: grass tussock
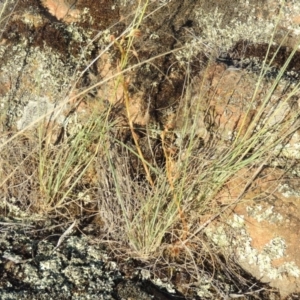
x,y
152,208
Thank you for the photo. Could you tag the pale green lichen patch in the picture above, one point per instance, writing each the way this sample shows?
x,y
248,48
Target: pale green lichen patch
x,y
43,60
237,239
287,191
261,213
38,80
34,110
12,209
224,25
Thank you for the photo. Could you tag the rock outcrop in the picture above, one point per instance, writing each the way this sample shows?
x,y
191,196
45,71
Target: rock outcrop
x,y
214,68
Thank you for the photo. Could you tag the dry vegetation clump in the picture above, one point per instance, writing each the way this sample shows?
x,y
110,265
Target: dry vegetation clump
x,y
153,186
